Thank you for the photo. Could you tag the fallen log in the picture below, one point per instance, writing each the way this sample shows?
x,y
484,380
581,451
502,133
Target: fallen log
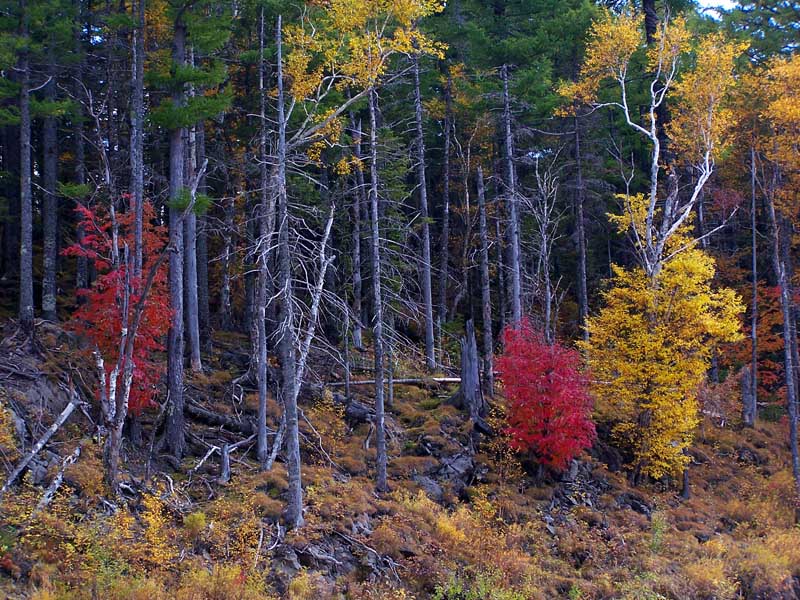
x,y
214,418
68,409
51,490
406,381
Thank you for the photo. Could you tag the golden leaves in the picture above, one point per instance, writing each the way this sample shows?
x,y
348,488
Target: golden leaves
x,y
671,40
329,134
700,120
351,41
783,111
649,350
612,43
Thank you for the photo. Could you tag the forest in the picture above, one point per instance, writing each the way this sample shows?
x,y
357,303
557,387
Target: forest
x,y
399,299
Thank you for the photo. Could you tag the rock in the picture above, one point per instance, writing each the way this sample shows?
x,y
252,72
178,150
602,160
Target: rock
x,y
579,486
549,524
607,454
285,564
457,470
635,502
362,525
37,470
698,456
747,455
430,487
702,537
459,466
572,473
727,525
47,396
238,359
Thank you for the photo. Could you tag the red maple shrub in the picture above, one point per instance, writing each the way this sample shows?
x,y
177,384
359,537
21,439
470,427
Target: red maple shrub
x,y
99,318
548,403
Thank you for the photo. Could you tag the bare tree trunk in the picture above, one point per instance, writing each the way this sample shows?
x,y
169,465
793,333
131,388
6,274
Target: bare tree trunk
x,y
60,420
511,184
486,292
389,353
346,320
470,391
358,201
264,242
501,273
190,293
650,20
11,225
50,200
580,228
250,259
750,399
225,320
787,310
294,508
191,310
26,203
137,133
175,419
444,273
203,310
377,326
82,266
427,297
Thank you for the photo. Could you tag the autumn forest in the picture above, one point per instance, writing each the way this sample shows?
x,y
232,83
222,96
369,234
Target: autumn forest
x,y
402,299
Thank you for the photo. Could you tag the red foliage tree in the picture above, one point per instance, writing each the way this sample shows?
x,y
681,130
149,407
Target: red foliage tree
x,y
100,318
549,407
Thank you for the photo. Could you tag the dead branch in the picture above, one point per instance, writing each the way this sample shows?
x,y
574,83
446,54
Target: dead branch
x,y
421,381
218,419
51,490
75,401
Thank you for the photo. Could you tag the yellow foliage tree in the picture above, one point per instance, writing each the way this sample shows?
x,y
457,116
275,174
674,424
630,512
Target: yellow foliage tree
x,y
650,348
347,44
696,78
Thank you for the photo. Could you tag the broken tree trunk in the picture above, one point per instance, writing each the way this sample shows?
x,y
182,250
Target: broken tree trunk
x,y
51,490
469,397
749,406
62,418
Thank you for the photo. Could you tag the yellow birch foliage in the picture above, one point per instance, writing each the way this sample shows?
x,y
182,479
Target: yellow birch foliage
x,y
612,42
698,77
700,120
649,350
781,144
347,43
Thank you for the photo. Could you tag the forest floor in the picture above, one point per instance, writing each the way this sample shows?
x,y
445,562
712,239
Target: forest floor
x,y
465,518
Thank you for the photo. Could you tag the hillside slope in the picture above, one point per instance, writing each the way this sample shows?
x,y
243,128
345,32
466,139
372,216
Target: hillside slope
x,y
465,518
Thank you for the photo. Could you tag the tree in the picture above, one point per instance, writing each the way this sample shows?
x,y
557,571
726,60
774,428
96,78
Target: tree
x,y
512,204
427,297
780,175
26,206
354,45
193,32
486,291
124,316
650,348
549,406
698,129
